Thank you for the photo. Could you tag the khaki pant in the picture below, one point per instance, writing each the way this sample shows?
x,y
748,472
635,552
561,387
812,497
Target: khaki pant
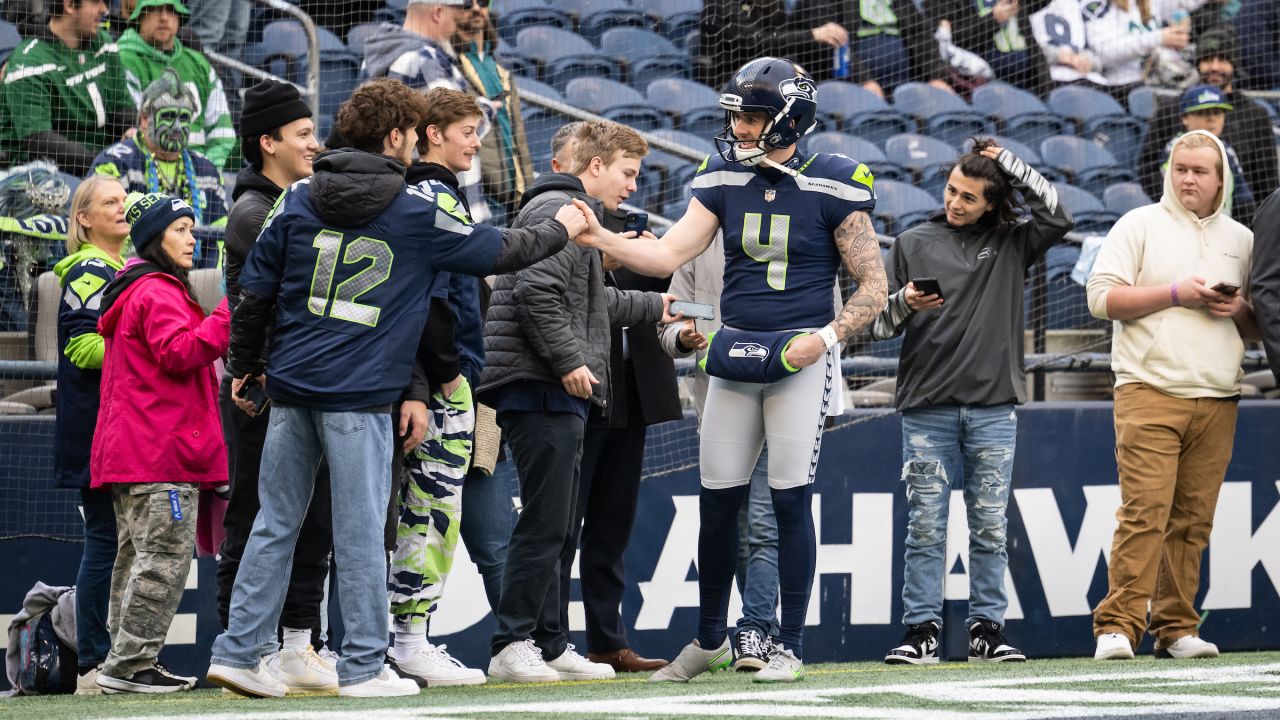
x,y
1172,455
156,530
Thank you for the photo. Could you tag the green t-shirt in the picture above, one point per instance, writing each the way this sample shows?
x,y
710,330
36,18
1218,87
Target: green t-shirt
x,y
49,86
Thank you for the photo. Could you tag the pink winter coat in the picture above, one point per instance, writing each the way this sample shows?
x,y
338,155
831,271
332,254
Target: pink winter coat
x,y
159,416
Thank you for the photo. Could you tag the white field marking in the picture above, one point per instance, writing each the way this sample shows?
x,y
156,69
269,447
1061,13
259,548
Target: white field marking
x,y
1000,699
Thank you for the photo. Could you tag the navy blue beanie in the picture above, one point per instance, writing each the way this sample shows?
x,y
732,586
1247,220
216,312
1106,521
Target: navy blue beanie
x,y
151,214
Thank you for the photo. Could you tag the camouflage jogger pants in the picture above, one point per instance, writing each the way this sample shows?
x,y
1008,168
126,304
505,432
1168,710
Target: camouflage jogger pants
x,y
431,508
156,533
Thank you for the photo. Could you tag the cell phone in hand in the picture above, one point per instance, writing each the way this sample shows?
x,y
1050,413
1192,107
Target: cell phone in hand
x,y
252,391
702,311
928,286
636,222
1226,288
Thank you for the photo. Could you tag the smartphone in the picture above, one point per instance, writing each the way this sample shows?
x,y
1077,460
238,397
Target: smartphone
x,y
928,286
252,391
1226,288
636,222
702,311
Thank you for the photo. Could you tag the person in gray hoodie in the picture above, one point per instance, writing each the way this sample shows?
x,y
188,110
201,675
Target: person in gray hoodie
x,y
547,341
957,283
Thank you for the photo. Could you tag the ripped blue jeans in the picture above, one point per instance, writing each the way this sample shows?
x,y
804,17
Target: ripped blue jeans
x,y
960,446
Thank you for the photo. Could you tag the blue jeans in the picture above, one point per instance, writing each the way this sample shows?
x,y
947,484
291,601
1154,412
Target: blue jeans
x,y
357,446
487,518
757,572
965,447
93,582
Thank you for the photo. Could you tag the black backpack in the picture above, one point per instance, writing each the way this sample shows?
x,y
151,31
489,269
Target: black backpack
x,y
46,665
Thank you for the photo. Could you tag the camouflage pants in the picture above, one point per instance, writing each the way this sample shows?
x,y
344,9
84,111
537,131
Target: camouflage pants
x,y
156,534
430,509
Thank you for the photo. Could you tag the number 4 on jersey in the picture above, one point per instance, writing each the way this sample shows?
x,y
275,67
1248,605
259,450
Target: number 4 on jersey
x,y
773,250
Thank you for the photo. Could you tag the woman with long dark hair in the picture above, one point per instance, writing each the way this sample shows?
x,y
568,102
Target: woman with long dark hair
x,y
159,438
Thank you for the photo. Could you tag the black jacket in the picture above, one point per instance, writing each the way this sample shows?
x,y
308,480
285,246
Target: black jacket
x,y
651,370
1247,131
970,350
1264,277
253,195
555,316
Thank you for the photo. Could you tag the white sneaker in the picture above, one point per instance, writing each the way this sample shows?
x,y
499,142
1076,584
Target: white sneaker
x,y
693,661
1113,646
522,661
784,666
87,684
385,684
1188,646
432,666
572,666
305,671
253,682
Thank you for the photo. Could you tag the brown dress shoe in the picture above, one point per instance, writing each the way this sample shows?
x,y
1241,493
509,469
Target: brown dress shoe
x,y
626,660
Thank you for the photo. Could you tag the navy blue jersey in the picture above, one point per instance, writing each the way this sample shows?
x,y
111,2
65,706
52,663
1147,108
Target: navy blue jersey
x,y
780,256
351,302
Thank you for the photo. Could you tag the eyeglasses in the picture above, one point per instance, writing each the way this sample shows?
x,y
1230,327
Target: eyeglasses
x,y
469,4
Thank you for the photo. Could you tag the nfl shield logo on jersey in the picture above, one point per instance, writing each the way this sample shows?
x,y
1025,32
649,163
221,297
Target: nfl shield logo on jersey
x,y
770,194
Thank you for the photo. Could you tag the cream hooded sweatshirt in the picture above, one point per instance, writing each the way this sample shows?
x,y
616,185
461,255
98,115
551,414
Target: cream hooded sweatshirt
x,y
1183,352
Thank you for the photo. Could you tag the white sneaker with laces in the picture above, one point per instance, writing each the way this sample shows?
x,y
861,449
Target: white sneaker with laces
x,y
784,666
693,661
521,661
304,670
1113,646
384,684
1187,646
250,682
87,684
433,666
572,666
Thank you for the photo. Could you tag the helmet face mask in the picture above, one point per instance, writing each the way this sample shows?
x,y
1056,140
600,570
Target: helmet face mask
x,y
777,89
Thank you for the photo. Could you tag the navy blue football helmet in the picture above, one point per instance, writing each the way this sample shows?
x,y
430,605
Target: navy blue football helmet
x,y
781,90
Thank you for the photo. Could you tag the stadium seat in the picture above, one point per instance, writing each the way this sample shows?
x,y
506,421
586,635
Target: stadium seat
x,y
678,18
565,55
1090,166
1142,102
1120,198
1023,116
901,205
9,39
358,35
648,55
1090,214
1101,118
339,72
695,107
539,122
862,113
512,16
282,51
857,149
615,101
392,12
924,156
942,115
600,16
704,144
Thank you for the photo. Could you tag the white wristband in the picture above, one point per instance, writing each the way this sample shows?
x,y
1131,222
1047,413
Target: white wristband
x,y
828,336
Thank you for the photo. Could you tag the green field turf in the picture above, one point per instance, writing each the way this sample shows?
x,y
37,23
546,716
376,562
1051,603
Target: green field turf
x,y
1235,685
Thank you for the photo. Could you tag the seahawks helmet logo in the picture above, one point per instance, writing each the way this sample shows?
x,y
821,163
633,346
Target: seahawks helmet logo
x,y
748,350
799,87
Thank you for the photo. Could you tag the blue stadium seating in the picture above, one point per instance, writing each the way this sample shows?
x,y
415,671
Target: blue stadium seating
x,y
678,18
392,12
565,55
1120,198
9,40
857,149
1101,118
615,101
862,113
694,106
539,123
1142,102
1090,214
282,51
900,205
512,16
358,35
924,156
702,143
600,16
1090,166
942,115
1023,116
648,55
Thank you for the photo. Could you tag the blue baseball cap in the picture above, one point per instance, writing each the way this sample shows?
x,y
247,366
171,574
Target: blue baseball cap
x,y
1205,97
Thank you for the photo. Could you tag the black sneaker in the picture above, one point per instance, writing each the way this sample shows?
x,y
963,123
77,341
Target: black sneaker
x,y
751,650
190,682
987,644
918,647
149,680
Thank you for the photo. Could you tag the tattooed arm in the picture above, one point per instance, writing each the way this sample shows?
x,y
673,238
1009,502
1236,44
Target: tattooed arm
x,y
860,251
